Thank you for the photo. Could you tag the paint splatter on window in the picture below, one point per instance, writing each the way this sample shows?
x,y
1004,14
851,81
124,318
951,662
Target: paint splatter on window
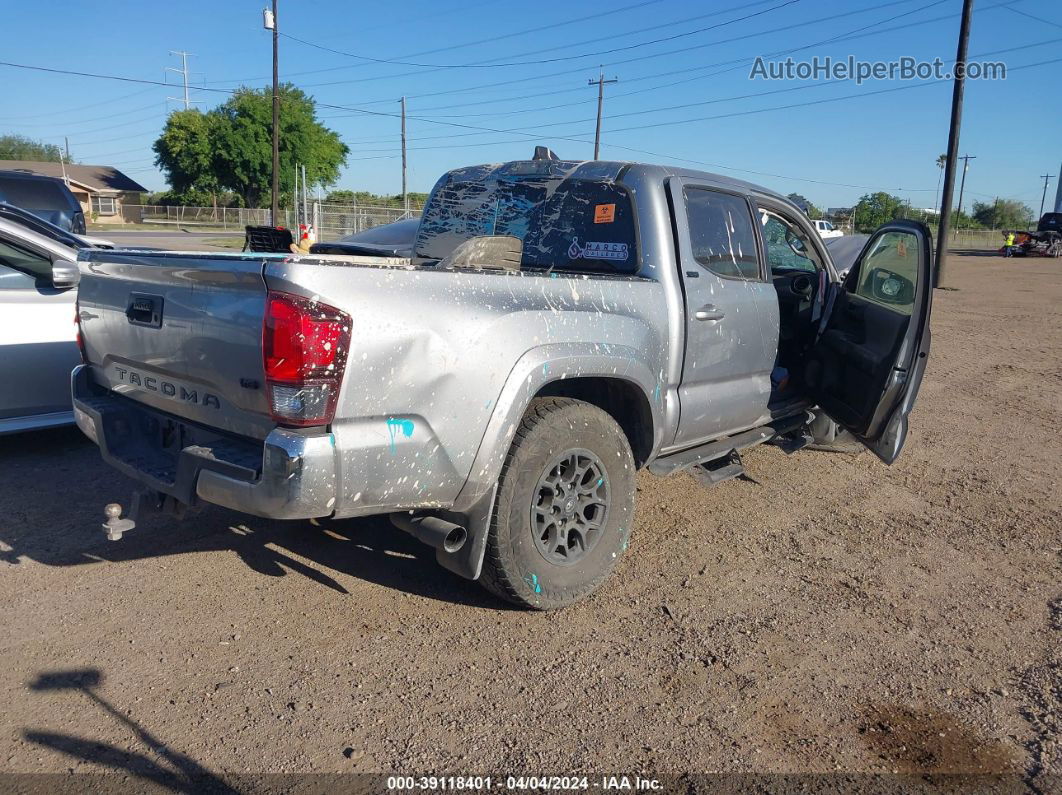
x,y
721,233
557,218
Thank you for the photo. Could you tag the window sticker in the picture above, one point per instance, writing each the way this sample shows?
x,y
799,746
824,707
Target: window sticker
x,y
604,213
596,250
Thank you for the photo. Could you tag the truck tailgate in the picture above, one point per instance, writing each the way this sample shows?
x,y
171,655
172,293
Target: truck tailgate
x,y
179,332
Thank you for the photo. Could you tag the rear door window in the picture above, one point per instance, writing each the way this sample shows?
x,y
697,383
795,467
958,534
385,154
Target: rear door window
x,y
721,233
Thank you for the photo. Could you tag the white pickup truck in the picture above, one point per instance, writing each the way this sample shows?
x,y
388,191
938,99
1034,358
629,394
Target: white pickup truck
x,y
826,230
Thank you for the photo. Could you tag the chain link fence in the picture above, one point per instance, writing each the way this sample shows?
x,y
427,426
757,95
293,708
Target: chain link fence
x,y
332,221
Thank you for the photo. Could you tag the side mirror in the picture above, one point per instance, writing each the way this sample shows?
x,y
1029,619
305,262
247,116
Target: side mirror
x,y
65,274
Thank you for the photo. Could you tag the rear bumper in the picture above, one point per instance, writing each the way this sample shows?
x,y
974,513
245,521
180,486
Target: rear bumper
x,y
288,475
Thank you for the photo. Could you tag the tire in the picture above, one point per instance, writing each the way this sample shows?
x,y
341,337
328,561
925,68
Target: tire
x,y
541,553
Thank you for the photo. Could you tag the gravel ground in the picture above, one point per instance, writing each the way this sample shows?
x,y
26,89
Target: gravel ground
x,y
825,613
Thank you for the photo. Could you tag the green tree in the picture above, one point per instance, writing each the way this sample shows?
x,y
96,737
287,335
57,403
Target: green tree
x,y
185,153
1003,214
874,209
805,204
19,147
344,196
230,147
243,149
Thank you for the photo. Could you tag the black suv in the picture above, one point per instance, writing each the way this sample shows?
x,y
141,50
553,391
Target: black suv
x,y
46,197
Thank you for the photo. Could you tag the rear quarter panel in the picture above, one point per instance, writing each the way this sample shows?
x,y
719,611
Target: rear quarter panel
x,y
443,363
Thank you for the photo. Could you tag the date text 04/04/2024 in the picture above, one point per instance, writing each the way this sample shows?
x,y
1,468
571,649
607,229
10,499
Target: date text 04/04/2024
x,y
554,783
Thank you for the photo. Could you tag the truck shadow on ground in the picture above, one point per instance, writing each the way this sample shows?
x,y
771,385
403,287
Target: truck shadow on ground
x,y
55,486
173,771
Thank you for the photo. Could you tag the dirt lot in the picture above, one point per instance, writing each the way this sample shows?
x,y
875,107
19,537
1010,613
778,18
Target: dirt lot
x,y
827,613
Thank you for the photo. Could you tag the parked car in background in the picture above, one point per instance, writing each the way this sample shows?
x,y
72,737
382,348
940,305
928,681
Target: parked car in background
x,y
38,337
826,229
50,230
46,197
496,392
387,240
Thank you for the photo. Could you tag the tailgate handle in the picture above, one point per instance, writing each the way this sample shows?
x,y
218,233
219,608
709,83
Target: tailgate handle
x,y
144,310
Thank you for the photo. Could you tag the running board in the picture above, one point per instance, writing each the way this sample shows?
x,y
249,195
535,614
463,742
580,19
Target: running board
x,y
714,472
684,459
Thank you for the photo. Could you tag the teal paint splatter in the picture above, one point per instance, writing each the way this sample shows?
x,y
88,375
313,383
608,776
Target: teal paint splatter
x,y
656,392
396,426
545,369
534,583
600,481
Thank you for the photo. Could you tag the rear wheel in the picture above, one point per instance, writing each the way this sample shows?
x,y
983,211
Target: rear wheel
x,y
564,507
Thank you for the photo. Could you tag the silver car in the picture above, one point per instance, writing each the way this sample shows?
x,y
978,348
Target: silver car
x,y
38,340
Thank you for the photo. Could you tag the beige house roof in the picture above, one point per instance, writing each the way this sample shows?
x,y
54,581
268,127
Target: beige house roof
x,y
96,179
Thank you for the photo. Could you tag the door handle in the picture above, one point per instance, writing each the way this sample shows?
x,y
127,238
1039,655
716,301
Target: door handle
x,y
709,312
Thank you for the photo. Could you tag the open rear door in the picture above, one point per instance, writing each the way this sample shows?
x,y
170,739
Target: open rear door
x,y
865,368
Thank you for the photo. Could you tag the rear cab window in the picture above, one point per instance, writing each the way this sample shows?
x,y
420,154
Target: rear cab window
x,y
565,224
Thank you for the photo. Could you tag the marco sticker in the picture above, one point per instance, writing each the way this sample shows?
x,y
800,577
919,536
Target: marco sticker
x,y
616,252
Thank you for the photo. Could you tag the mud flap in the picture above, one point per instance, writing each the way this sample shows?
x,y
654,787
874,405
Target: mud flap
x,y
468,560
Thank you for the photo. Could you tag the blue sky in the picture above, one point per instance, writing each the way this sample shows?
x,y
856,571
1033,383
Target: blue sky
x,y
832,152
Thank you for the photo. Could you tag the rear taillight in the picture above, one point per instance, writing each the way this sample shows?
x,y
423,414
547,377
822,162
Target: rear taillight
x,y
77,333
304,344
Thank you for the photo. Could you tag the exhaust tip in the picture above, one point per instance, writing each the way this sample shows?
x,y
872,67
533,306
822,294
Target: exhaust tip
x,y
455,539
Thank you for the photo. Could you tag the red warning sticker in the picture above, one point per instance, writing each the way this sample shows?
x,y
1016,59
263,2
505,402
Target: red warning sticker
x,y
604,213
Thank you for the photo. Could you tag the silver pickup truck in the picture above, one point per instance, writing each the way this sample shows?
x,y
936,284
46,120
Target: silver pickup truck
x,y
559,326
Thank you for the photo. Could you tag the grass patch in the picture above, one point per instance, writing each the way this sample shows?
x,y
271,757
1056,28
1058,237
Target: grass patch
x,y
224,242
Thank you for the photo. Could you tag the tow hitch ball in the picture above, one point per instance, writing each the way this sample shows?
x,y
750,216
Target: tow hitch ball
x,y
115,525
146,500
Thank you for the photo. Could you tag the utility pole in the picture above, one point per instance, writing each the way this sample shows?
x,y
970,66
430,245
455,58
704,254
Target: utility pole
x,y
962,184
66,140
183,72
1045,177
953,140
600,83
269,22
405,196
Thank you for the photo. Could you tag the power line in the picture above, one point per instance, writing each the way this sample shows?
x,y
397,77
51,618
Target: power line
x,y
1038,19
688,48
669,73
747,112
610,12
674,107
487,129
66,111
541,61
119,78
66,123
